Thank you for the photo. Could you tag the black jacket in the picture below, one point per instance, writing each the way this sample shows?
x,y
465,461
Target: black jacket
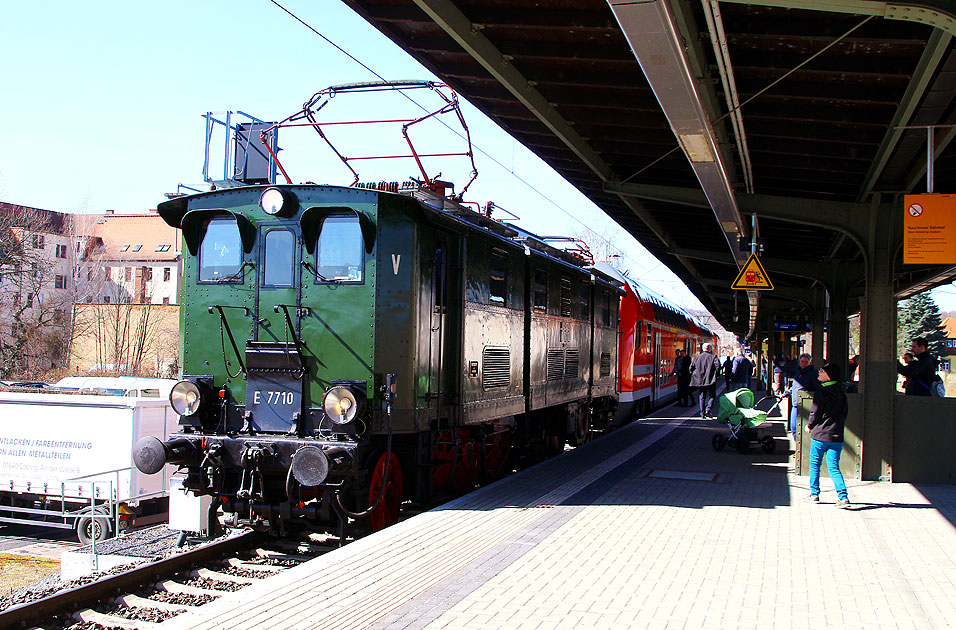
x,y
704,370
807,377
683,368
921,373
828,412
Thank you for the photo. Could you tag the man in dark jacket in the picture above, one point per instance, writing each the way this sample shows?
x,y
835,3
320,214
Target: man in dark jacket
x,y
703,377
741,371
682,369
827,419
921,371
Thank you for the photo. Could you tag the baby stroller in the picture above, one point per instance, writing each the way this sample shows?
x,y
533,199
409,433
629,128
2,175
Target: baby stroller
x,y
737,410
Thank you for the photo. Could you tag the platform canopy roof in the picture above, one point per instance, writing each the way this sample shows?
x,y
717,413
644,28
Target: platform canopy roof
x,y
688,122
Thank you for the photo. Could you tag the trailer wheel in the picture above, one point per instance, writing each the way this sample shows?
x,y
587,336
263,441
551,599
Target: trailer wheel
x,y
718,442
768,444
88,529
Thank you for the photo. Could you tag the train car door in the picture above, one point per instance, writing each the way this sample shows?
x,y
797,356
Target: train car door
x,y
659,372
437,301
273,359
279,249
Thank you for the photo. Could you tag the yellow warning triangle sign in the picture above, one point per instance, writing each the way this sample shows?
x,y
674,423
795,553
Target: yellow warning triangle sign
x,y
753,277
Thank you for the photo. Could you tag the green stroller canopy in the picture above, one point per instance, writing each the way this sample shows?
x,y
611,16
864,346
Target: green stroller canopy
x,y
736,407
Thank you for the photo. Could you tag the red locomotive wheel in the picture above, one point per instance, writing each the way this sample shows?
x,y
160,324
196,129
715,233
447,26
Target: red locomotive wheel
x,y
463,476
466,474
387,511
496,455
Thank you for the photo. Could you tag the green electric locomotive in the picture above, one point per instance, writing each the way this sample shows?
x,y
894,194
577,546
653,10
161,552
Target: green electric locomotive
x,y
346,348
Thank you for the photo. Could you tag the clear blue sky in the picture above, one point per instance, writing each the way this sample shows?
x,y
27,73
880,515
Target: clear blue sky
x,y
102,104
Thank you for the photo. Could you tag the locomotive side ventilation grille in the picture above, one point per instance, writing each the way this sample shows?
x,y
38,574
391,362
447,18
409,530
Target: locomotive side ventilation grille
x,y
555,364
496,367
605,364
571,363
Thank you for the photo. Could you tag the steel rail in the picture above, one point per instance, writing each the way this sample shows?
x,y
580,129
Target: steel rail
x,y
85,595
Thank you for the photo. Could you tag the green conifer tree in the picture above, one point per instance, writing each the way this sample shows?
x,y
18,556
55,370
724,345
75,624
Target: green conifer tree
x,y
920,318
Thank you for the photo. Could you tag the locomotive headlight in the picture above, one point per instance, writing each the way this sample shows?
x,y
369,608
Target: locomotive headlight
x,y
341,404
275,202
185,398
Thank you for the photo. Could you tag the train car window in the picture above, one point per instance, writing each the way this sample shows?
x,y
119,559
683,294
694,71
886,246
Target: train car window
x,y
606,309
540,289
649,341
220,255
339,254
280,258
565,297
498,285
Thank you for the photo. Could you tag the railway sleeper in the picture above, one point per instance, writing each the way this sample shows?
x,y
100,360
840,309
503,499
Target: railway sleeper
x,y
281,555
135,601
303,548
172,586
113,621
209,574
236,563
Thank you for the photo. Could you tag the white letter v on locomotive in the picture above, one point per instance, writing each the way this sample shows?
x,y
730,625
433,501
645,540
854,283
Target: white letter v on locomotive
x,y
396,261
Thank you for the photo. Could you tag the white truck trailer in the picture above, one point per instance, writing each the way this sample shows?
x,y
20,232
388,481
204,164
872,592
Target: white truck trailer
x,y
66,462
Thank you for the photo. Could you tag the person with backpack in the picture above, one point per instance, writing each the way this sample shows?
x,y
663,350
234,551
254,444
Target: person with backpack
x,y
703,377
921,371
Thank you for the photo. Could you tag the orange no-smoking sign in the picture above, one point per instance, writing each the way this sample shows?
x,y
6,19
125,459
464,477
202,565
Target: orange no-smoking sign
x,y
929,229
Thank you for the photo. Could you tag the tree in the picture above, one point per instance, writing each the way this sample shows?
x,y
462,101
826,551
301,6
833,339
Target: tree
x,y
919,317
34,304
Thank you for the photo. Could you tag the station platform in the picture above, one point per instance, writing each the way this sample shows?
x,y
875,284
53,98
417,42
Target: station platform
x,y
647,527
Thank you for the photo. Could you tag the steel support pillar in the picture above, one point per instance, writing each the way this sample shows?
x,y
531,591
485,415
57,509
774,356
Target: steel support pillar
x,y
838,328
817,324
771,355
878,333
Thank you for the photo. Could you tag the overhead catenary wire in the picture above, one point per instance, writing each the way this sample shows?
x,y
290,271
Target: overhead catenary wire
x,y
511,171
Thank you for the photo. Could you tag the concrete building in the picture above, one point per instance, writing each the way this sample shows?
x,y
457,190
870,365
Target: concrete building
x,y
130,259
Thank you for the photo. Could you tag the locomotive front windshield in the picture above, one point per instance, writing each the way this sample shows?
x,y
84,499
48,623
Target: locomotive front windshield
x,y
339,250
221,253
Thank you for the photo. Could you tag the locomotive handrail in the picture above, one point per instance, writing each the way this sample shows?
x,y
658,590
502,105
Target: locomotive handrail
x,y
288,320
222,319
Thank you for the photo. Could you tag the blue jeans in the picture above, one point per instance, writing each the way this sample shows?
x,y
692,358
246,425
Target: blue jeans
x,y
830,450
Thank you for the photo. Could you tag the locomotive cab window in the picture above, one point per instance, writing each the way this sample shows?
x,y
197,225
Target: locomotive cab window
x,y
339,250
498,284
279,261
220,255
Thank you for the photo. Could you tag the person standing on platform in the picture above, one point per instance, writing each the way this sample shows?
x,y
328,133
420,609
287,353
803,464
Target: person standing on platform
x,y
779,374
827,420
683,379
804,377
921,371
728,369
907,359
741,371
703,376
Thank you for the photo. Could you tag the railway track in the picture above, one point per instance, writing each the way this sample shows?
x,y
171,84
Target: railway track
x,y
146,595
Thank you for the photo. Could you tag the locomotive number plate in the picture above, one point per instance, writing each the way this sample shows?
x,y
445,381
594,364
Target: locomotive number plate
x,y
273,398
